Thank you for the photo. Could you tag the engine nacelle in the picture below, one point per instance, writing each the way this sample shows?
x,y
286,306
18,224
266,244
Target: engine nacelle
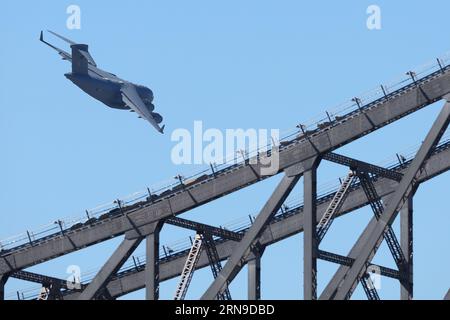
x,y
158,118
147,96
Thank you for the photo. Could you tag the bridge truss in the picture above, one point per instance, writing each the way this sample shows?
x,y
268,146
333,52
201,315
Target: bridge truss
x,y
388,191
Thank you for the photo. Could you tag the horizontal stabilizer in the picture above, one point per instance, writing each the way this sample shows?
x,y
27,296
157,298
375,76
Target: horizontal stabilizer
x,y
61,37
65,55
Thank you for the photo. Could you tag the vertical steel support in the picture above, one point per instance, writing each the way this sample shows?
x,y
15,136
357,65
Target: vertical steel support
x,y
254,277
3,279
406,240
310,233
152,265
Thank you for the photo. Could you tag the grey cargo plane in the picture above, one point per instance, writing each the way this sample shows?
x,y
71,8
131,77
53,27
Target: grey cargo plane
x,y
107,87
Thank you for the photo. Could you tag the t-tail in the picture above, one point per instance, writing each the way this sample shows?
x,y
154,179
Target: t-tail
x,y
80,58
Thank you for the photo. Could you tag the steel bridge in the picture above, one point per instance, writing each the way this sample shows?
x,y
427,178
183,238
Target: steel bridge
x,y
389,191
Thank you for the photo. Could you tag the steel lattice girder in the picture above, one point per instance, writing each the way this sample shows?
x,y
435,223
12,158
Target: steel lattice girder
x,y
367,167
278,230
378,209
346,261
201,227
342,284
357,124
39,278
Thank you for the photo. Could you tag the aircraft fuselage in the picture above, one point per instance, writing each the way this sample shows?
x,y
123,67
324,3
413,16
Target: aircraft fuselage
x,y
102,89
107,90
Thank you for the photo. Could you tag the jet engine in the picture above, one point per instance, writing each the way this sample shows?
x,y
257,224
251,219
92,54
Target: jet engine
x,y
158,118
147,96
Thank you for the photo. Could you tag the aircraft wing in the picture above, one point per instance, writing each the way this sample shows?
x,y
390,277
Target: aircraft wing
x,y
132,99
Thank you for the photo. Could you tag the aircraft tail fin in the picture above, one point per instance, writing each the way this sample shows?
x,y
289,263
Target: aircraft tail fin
x,y
80,58
80,53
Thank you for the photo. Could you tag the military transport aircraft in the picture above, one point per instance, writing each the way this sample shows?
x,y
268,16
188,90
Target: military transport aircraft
x,y
107,87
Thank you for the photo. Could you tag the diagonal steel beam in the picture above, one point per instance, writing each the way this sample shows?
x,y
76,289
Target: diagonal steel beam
x,y
110,268
363,169
346,261
353,163
201,227
42,279
447,296
237,259
330,290
378,209
344,285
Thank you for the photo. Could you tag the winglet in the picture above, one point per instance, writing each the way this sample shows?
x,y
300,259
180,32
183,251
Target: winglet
x,y
62,53
162,129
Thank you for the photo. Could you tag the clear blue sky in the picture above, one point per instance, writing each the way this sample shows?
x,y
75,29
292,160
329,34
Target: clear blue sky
x,y
231,64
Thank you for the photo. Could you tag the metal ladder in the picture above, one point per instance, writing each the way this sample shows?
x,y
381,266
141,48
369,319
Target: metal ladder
x,y
201,240
334,206
189,268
